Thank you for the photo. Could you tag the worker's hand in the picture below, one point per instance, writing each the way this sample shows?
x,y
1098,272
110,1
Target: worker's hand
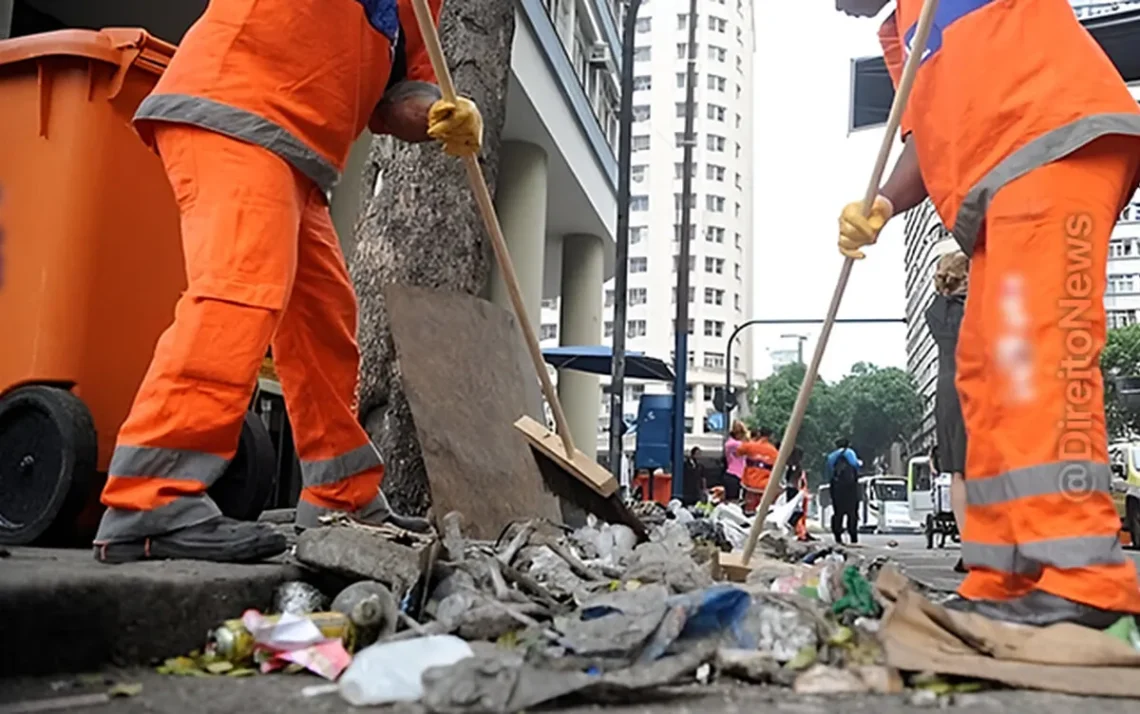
x,y
857,230
457,125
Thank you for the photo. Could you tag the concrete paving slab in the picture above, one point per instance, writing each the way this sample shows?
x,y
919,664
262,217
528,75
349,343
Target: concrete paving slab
x,y
61,611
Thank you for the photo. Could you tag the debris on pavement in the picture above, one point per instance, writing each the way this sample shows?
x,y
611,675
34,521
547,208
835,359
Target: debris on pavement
x,y
298,598
393,671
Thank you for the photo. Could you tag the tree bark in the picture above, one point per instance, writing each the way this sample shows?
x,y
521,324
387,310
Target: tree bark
x,y
419,225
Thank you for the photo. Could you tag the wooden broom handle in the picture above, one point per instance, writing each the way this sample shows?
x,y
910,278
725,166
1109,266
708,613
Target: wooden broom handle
x,y
906,82
491,222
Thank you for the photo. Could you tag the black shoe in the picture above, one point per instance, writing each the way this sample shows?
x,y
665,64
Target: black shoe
x,y
1037,609
222,540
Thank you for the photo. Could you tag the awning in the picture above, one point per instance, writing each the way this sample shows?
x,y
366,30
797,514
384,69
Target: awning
x,y
872,91
598,359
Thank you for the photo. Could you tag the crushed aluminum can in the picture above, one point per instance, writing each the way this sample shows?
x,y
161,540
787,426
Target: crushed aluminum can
x,y
298,598
234,643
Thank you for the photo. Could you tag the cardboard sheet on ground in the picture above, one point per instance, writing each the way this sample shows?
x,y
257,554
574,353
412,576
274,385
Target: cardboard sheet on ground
x,y
467,380
919,635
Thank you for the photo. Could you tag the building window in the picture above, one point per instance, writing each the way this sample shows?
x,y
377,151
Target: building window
x,y
638,233
714,234
550,303
737,121
679,139
682,21
719,54
639,264
738,149
640,142
677,201
638,296
1120,248
715,143
714,360
739,64
738,210
714,172
714,265
688,392
677,231
609,329
736,362
683,49
635,328
644,24
642,54
692,265
716,113
717,24
679,170
639,203
609,298
548,332
714,328
637,173
738,184
737,240
688,425
737,270
736,301
641,112
709,392
738,90
714,203
681,109
643,82
740,35
717,83
714,296
692,291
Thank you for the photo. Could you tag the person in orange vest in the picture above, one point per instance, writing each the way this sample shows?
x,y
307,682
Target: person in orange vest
x,y
253,120
1022,133
759,458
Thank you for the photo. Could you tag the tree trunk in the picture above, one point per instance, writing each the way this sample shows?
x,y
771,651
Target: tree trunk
x,y
419,225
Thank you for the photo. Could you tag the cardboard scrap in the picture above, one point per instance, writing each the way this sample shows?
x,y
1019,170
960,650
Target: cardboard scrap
x,y
918,635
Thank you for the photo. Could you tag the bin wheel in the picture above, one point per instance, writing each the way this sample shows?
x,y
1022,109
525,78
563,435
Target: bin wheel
x,y
48,455
245,488
1132,520
929,529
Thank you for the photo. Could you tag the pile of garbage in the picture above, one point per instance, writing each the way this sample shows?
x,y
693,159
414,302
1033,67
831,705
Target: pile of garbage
x,y
546,612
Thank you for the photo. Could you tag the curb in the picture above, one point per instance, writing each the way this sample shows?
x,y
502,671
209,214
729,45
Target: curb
x,y
61,611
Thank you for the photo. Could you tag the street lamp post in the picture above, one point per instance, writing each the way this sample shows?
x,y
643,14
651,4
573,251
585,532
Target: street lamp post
x,y
621,250
681,326
732,339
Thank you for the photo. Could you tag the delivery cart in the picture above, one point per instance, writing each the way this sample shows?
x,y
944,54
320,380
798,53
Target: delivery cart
x,y
92,269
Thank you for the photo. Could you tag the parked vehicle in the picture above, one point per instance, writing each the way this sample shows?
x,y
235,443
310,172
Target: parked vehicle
x,y
883,506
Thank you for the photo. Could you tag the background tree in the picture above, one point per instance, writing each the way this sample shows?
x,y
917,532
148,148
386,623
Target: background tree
x,y
1120,358
419,226
872,406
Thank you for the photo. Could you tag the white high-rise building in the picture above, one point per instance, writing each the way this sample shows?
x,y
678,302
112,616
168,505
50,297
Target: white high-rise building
x,y
927,239
720,277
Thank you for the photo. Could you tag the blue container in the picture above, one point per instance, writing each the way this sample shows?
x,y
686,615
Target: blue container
x,y
654,432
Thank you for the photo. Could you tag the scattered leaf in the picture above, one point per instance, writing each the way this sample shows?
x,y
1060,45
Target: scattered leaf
x,y
804,658
219,667
241,672
125,690
841,636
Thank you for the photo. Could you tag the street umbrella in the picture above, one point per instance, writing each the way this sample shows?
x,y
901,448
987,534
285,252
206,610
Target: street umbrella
x,y
598,359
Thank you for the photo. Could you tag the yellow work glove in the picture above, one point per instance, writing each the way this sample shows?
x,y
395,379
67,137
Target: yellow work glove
x,y
857,230
457,125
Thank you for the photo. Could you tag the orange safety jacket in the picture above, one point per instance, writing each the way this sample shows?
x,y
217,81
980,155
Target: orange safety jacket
x,y
1004,86
759,458
298,77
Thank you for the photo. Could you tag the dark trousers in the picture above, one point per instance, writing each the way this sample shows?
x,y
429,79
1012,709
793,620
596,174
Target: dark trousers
x,y
846,508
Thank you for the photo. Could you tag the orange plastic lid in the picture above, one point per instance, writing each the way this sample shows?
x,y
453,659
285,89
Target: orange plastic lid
x,y
115,46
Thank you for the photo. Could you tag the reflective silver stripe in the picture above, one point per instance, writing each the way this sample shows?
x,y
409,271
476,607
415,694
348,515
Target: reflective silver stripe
x,y
376,512
240,124
1029,558
1045,149
1078,479
120,525
316,473
167,463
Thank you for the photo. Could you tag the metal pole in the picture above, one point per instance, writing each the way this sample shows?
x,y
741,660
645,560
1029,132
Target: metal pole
x,y
682,325
621,251
750,323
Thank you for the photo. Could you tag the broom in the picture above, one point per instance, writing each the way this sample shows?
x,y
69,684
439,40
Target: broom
x,y
591,487
737,566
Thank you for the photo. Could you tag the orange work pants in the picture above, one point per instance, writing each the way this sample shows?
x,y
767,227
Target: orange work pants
x,y
1039,509
264,266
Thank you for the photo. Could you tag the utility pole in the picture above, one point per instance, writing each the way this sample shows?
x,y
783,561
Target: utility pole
x,y
681,328
621,250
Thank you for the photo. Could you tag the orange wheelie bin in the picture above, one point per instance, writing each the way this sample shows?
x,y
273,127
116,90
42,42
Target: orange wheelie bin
x,y
92,267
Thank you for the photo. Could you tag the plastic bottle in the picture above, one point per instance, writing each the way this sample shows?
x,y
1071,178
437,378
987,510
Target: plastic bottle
x,y
392,671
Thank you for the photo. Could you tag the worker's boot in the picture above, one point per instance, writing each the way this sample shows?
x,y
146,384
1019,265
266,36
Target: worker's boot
x,y
376,512
1038,609
220,540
